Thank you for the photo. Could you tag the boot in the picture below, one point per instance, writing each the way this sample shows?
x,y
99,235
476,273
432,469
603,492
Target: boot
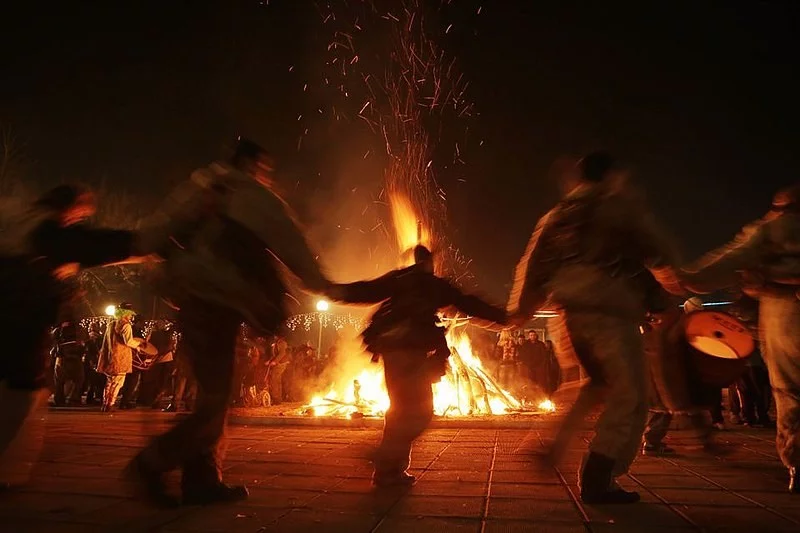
x,y
148,484
596,483
657,449
794,481
393,479
201,482
218,493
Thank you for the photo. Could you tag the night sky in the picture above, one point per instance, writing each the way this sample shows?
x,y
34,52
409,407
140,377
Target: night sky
x,y
701,101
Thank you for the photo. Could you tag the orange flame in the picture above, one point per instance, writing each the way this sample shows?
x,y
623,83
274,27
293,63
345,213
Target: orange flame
x,y
465,389
409,229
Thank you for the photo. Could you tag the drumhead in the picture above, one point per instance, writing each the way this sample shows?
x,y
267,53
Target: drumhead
x,y
712,346
718,335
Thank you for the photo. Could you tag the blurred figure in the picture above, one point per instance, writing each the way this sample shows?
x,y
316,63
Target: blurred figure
x,y
404,333
585,257
220,273
765,260
39,255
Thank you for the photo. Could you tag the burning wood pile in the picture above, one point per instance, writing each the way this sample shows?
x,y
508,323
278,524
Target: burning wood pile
x,y
467,389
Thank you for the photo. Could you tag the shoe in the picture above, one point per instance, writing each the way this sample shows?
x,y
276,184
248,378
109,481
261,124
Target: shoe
x,y
596,483
148,484
220,493
657,449
794,481
403,479
171,408
719,426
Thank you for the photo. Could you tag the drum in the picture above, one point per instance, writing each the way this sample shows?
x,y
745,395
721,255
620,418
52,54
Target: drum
x,y
143,358
719,346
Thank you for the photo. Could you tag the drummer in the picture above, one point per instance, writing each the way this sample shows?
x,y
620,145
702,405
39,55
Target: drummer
x,y
670,396
768,253
116,353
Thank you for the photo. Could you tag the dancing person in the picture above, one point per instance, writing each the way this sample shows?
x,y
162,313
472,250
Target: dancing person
x,y
224,273
39,255
765,260
404,333
584,257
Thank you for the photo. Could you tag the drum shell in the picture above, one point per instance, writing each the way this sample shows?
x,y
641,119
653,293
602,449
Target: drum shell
x,y
684,378
714,371
717,372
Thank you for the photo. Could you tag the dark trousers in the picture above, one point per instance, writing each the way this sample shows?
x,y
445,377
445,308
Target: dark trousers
x,y
68,370
754,395
715,397
130,389
94,383
154,383
409,386
657,427
195,444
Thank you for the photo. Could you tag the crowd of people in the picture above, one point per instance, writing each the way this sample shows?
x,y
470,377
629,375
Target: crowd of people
x,y
224,240
84,367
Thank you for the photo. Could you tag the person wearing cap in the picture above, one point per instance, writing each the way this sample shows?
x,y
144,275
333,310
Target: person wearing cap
x,y
764,260
585,257
403,332
223,271
116,353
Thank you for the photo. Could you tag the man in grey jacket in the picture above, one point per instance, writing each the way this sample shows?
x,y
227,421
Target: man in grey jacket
x,y
220,273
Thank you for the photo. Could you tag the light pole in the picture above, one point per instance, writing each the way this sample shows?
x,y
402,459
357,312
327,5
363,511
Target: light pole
x,y
322,307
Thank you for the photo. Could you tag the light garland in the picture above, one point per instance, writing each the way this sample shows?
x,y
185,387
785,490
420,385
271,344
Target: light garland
x,y
305,321
149,325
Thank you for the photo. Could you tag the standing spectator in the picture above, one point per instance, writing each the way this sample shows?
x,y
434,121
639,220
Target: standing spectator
x,y
157,377
94,382
533,359
70,351
277,367
509,361
141,363
116,354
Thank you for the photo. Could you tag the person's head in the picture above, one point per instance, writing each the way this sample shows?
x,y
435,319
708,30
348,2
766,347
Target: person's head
x,y
533,336
69,204
593,169
787,200
549,344
254,160
423,257
124,312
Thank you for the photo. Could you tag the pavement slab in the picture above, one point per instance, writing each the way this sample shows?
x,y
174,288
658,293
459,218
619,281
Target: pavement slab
x,y
470,479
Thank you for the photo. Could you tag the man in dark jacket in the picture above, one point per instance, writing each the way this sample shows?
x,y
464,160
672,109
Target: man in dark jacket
x,y
404,332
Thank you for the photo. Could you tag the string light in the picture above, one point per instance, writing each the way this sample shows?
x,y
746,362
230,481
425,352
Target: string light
x,y
306,321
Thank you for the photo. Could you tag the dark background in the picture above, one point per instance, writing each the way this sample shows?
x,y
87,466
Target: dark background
x,y
700,99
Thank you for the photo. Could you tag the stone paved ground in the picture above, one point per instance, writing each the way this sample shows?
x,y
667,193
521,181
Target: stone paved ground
x,y
317,479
